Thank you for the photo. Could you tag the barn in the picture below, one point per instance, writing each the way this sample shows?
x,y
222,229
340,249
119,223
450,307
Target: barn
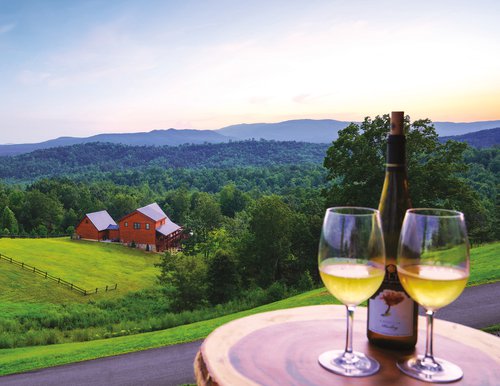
x,y
150,228
97,226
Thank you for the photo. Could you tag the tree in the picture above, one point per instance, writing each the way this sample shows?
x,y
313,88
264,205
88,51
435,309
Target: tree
x,y
70,219
205,217
184,280
270,240
9,221
121,204
179,204
41,211
232,200
355,164
222,277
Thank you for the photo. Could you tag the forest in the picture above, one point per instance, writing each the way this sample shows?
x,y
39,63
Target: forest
x,y
97,158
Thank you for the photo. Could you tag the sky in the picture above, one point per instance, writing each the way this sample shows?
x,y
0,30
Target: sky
x,y
78,68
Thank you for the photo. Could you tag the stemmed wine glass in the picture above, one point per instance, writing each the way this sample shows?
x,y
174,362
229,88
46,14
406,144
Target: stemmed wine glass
x,y
433,267
351,262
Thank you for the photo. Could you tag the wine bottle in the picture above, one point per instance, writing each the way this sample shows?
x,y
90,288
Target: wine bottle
x,y
392,314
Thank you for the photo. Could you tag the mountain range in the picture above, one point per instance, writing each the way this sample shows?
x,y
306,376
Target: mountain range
x,y
303,130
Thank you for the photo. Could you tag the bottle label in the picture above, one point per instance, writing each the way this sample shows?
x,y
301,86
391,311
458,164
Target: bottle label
x,y
391,309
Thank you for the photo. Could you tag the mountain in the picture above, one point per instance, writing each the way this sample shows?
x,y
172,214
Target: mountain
x,y
325,130
481,138
171,137
303,130
460,128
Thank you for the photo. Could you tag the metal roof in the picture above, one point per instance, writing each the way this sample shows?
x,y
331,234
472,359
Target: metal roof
x,y
168,227
102,220
153,211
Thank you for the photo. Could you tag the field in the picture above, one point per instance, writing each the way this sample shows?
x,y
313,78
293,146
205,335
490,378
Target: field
x,y
84,263
485,264
28,358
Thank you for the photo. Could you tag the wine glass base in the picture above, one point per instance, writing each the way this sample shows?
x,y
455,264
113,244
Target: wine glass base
x,y
359,365
444,373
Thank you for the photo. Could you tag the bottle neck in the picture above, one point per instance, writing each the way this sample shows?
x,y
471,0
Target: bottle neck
x,y
396,153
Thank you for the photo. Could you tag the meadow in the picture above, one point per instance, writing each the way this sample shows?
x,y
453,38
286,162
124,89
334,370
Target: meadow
x,y
85,263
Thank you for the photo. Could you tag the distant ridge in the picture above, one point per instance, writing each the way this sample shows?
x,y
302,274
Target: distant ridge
x,y
303,130
459,128
479,139
300,130
171,137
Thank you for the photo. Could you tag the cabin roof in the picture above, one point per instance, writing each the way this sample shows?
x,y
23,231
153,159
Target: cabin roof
x,y
102,220
153,211
168,227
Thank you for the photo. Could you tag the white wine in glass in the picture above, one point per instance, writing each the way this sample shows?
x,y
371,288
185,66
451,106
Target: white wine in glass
x,y
433,267
351,262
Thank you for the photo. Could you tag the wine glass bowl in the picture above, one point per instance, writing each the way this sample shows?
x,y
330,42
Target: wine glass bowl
x,y
351,262
433,267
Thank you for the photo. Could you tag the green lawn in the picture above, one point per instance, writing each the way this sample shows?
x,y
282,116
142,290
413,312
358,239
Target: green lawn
x,y
485,264
485,268
85,263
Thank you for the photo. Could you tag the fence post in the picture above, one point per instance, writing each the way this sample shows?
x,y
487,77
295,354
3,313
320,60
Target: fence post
x,y
84,292
34,269
11,259
46,273
96,290
106,288
71,286
58,280
22,265
116,285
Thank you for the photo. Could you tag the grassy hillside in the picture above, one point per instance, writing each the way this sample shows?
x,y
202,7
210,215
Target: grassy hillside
x,y
18,286
29,358
485,267
84,263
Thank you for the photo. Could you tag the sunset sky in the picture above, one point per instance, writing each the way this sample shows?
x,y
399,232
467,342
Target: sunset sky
x,y
77,68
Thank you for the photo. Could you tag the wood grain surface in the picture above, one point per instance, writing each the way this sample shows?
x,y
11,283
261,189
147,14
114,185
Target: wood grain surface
x,y
282,348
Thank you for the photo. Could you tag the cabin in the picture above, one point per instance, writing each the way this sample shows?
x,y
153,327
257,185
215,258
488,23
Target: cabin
x,y
97,226
150,228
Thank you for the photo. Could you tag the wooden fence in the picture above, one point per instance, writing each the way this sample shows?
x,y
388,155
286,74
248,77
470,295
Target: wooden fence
x,y
58,280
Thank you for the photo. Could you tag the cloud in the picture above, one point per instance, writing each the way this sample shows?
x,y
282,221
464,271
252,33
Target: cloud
x,y
6,28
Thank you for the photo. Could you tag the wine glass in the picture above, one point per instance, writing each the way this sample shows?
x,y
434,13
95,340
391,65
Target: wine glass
x,y
351,263
433,267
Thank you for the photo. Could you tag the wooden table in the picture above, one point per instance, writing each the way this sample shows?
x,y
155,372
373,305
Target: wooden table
x,y
282,348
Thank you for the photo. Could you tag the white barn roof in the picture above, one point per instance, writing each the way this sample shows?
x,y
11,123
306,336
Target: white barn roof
x,y
102,220
153,211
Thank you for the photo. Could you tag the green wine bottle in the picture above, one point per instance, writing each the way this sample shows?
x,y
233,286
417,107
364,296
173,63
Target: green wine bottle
x,y
392,314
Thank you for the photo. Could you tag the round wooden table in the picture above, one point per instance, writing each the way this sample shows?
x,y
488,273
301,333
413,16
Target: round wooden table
x,y
282,348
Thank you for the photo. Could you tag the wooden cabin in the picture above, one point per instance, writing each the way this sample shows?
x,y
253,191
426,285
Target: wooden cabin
x,y
150,228
98,226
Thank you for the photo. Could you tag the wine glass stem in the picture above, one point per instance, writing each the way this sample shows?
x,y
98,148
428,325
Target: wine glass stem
x,y
429,357
350,322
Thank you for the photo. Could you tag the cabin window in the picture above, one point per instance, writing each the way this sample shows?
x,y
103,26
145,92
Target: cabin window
x,y
126,223
137,225
147,225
